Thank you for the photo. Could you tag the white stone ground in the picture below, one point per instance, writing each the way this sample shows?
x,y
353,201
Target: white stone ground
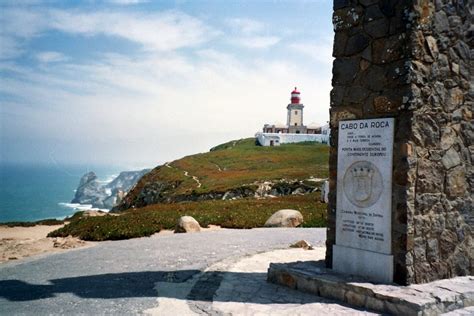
x,y
244,291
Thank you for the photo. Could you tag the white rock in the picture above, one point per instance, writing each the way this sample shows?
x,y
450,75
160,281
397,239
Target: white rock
x,y
285,218
187,224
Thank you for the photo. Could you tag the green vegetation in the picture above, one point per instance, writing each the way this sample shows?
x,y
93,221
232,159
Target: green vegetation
x,y
246,163
244,213
49,222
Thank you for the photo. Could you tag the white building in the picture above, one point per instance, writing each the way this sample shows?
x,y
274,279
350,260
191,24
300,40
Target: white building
x,y
294,131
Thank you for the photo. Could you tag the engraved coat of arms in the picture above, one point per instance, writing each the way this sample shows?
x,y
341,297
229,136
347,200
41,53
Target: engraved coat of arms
x,y
362,183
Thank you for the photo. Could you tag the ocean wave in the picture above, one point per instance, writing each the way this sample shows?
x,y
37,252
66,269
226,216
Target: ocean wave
x,y
82,207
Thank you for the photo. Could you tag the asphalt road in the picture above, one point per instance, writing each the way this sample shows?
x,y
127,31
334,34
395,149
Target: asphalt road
x,y
120,277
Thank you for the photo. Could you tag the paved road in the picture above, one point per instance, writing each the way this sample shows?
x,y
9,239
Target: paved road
x,y
126,277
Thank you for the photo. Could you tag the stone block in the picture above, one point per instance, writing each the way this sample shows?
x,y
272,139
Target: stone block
x,y
344,71
332,292
430,177
356,94
287,280
386,50
356,44
383,104
374,304
427,299
440,21
456,185
378,28
448,138
339,4
355,299
375,266
451,159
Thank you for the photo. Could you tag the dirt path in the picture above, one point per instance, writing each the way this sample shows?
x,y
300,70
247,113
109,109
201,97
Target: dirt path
x,y
218,167
186,174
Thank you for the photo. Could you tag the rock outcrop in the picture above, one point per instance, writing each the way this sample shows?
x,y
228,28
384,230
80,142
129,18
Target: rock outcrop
x,y
159,192
187,224
285,218
91,191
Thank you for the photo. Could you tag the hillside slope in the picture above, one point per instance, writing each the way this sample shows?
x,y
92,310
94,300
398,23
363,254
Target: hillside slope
x,y
234,169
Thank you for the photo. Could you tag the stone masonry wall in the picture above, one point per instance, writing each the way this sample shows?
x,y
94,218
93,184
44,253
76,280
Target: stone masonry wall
x,y
411,60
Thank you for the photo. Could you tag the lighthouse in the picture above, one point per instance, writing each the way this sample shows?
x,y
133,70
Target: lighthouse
x,y
294,131
295,114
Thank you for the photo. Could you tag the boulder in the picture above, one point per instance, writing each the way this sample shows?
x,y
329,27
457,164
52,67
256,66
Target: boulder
x,y
187,224
302,244
285,218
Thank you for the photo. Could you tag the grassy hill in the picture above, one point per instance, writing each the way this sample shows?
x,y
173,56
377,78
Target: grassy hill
x,y
233,165
194,186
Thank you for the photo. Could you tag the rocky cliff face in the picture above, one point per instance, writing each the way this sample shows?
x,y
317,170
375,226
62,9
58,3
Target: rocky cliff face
x,y
91,191
161,192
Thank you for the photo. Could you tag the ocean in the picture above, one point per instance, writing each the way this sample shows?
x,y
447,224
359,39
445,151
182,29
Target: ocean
x,y
34,192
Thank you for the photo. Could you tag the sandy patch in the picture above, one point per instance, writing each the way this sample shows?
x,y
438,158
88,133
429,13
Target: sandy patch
x,y
21,242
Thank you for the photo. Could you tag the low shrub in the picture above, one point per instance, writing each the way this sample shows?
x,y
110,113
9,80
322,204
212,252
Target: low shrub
x,y
48,222
244,213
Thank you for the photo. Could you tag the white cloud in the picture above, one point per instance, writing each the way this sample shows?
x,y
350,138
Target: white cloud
x,y
249,33
244,25
321,52
16,26
162,31
50,57
258,42
9,47
21,23
165,31
158,107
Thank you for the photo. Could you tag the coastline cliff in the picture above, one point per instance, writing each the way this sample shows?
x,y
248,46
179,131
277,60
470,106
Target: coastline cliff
x,y
106,196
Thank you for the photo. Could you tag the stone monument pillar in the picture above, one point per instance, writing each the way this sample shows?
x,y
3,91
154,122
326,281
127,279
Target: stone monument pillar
x,y
402,141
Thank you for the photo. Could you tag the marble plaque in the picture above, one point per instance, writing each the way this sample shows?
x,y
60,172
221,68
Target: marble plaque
x,y
364,184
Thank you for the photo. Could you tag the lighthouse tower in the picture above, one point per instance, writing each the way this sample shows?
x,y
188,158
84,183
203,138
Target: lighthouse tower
x,y
295,114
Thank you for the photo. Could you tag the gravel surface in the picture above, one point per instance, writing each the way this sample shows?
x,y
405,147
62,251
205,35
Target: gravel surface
x,y
120,277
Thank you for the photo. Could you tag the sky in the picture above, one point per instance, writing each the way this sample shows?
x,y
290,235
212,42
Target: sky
x,y
138,83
